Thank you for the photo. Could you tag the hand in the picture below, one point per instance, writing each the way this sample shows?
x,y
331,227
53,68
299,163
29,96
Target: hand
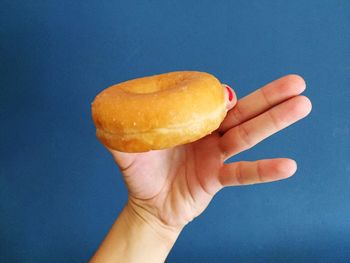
x,y
173,186
168,188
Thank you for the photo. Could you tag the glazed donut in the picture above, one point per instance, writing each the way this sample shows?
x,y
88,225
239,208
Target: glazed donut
x,y
159,111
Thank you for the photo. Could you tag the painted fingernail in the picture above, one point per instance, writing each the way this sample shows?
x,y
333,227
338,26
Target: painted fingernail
x,y
230,94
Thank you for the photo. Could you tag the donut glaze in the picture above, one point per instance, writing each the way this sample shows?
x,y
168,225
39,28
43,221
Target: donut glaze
x,y
159,111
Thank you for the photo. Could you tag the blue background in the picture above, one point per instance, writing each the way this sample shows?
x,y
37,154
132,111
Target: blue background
x,y
60,190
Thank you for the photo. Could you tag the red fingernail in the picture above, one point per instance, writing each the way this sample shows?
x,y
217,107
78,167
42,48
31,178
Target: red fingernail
x,y
230,94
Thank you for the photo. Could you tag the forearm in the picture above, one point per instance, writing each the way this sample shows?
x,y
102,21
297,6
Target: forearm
x,y
136,237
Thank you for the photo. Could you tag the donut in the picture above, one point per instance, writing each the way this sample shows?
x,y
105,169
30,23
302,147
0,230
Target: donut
x,y
159,111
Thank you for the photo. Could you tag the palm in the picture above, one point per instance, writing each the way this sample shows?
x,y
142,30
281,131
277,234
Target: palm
x,y
181,173
177,184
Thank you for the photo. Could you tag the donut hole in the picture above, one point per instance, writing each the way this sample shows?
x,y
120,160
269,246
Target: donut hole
x,y
154,85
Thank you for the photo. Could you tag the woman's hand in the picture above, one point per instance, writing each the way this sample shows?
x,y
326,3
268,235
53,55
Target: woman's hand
x,y
175,185
169,188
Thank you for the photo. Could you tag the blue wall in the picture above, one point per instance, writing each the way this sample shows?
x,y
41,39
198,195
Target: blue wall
x,y
60,190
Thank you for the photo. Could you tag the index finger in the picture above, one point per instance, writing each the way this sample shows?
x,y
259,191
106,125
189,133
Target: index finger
x,y
263,99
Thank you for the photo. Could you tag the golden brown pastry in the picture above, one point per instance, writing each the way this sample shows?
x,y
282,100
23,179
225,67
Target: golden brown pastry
x,y
159,111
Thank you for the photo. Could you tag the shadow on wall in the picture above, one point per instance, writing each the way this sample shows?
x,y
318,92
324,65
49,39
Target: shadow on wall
x,y
24,112
23,100
307,254
7,247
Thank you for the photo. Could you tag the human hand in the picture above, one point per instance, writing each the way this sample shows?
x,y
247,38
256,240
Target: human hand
x,y
169,188
173,186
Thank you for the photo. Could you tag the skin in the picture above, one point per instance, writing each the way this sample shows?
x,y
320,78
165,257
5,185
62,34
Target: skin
x,y
169,188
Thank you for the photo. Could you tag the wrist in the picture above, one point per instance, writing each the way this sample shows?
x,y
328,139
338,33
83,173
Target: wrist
x,y
136,236
138,216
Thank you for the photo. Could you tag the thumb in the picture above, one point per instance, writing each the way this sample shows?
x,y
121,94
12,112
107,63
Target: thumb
x,y
230,96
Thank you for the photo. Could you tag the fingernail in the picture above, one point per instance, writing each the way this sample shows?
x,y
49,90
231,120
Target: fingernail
x,y
230,94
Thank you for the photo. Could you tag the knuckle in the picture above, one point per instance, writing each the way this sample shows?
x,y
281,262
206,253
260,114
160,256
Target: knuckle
x,y
245,135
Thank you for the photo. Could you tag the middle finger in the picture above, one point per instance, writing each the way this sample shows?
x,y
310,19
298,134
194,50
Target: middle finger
x,y
249,133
